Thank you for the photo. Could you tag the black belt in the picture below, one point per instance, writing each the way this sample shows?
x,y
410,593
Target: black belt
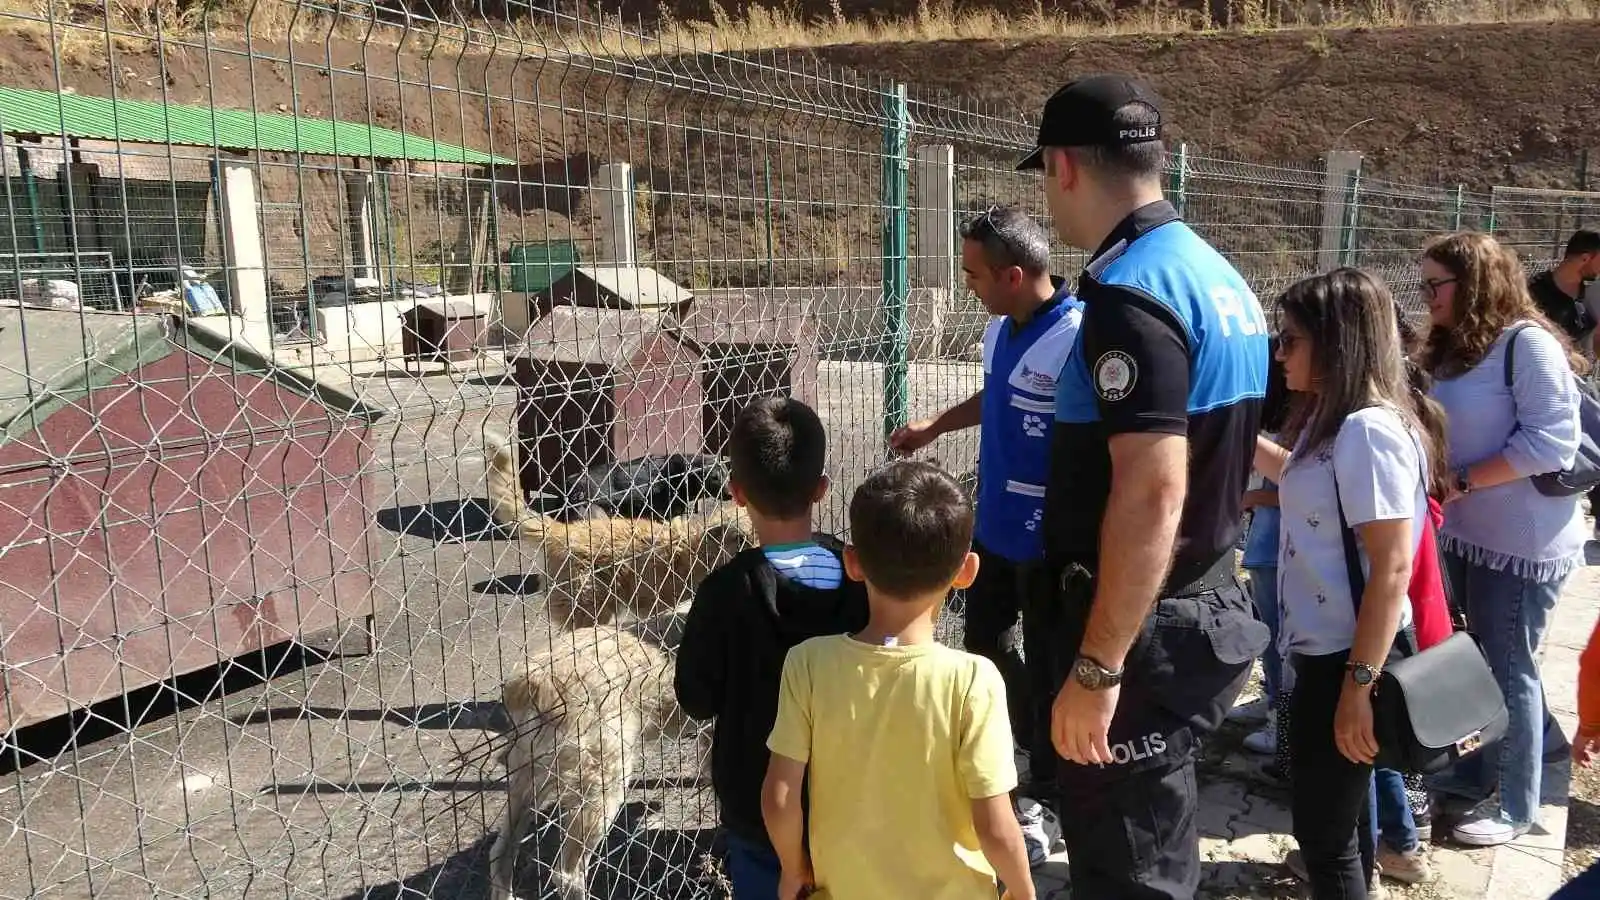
x,y
1220,575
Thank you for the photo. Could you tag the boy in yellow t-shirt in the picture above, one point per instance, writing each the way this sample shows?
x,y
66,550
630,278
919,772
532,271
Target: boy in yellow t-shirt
x,y
906,742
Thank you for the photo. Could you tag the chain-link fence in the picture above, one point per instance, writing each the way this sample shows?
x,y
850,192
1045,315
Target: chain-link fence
x,y
490,296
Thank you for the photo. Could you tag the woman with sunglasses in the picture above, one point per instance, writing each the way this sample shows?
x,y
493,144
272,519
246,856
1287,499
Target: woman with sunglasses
x,y
1363,444
1509,548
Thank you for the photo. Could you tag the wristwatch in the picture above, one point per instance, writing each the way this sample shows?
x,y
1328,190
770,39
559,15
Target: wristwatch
x,y
1093,676
1463,483
1362,673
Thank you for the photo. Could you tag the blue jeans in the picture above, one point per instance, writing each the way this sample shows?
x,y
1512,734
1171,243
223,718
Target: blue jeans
x,y
1508,614
1391,812
752,868
1264,591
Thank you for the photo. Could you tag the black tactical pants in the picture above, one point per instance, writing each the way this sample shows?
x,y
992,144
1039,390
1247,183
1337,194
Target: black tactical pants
x,y
1130,825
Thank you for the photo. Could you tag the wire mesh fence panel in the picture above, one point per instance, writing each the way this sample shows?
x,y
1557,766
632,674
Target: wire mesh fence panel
x,y
321,596
1537,222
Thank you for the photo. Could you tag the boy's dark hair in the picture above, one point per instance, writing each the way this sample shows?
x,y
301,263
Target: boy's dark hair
x,y
1584,240
911,526
776,454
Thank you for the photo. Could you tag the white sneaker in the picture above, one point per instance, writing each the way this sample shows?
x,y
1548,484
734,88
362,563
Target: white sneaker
x,y
1484,827
1255,711
1030,816
1264,740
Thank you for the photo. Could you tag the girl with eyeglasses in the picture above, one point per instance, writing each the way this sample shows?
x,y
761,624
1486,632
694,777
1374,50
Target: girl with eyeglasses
x,y
1509,548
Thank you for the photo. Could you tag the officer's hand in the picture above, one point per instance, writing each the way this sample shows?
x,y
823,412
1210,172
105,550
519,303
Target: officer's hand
x,y
1352,725
1080,722
911,438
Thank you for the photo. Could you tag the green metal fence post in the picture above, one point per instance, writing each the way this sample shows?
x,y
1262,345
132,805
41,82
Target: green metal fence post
x,y
1180,180
896,275
1352,205
1461,202
30,186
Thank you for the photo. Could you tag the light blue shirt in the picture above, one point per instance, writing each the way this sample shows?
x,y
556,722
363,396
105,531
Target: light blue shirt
x,y
807,564
1380,476
1535,424
1261,542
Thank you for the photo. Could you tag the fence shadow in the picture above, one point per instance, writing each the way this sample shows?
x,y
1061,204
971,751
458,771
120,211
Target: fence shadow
x,y
444,520
663,864
118,716
475,715
525,585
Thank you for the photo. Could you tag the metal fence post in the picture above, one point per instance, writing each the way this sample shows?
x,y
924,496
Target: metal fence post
x,y
1352,206
1180,180
896,276
1461,201
30,184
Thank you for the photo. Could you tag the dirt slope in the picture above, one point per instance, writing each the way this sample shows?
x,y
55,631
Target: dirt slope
x,y
1512,104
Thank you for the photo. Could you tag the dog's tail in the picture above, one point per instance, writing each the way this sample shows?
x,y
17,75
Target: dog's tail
x,y
503,473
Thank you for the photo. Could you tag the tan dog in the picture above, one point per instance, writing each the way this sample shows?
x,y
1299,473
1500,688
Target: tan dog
x,y
606,569
581,715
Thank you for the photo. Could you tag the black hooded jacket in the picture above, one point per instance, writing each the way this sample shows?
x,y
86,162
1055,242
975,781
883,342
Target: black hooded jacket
x,y
744,620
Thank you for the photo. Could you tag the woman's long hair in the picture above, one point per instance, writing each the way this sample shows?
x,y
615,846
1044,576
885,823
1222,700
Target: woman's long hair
x,y
1358,359
1276,405
1491,295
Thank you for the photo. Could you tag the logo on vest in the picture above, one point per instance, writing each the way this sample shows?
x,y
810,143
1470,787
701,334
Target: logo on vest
x,y
1115,375
1041,382
1151,745
1033,426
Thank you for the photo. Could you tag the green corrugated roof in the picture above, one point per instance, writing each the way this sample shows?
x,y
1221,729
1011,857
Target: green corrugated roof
x,y
139,121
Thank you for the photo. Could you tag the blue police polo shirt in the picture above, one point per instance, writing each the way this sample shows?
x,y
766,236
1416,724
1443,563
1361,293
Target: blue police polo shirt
x,y
1173,341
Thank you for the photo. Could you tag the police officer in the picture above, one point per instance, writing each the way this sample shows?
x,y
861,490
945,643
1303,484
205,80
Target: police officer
x,y
1156,417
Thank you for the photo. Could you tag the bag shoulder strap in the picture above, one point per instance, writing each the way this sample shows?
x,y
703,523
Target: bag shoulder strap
x,y
1511,348
1352,553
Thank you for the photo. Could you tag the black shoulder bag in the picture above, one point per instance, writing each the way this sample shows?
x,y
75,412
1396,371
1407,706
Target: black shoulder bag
x,y
1435,707
1584,473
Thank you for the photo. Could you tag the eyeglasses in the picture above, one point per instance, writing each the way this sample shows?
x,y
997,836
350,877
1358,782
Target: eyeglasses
x,y
1430,286
1287,340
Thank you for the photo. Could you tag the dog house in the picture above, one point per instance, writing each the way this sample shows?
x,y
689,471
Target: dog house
x,y
618,287
170,500
441,331
751,345
598,386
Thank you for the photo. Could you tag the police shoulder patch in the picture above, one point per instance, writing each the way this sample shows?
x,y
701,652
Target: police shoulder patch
x,y
1115,374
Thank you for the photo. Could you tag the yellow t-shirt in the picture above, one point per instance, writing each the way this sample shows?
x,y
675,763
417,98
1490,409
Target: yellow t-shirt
x,y
898,742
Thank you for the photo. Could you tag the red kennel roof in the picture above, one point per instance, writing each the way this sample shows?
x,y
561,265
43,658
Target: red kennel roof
x,y
50,359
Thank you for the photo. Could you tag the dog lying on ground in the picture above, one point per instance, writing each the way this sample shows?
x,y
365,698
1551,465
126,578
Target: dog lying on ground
x,y
655,487
581,715
604,569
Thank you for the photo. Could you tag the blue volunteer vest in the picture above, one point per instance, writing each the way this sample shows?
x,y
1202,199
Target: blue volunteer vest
x,y
1020,371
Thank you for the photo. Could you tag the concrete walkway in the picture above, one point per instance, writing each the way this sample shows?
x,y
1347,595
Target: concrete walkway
x,y
1244,812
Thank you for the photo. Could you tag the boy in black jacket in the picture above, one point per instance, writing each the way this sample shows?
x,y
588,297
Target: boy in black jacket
x,y
748,614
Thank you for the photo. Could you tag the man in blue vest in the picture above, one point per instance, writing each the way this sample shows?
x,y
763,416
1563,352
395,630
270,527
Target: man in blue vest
x,y
1006,258
1156,418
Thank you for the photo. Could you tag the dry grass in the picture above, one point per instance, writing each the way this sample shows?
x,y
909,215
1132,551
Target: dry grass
x,y
83,33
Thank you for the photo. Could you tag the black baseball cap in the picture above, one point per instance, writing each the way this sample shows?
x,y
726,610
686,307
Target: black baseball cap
x,y
1083,112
